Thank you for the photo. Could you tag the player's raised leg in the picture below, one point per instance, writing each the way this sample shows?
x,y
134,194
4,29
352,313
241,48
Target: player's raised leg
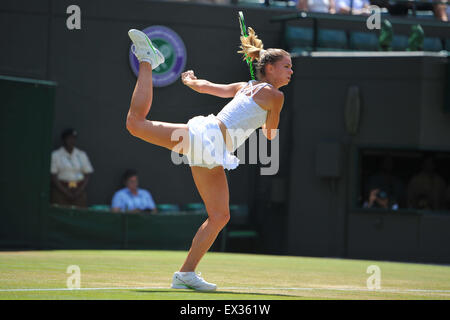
x,y
155,132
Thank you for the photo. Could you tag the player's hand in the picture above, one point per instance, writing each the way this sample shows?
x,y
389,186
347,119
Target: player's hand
x,y
188,76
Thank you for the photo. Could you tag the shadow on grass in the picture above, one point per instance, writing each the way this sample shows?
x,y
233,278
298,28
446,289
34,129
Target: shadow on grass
x,y
218,293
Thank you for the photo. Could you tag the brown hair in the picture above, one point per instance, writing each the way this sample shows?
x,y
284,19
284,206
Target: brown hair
x,y
253,48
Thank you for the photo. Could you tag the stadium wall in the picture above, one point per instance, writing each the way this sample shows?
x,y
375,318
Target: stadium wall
x,y
401,106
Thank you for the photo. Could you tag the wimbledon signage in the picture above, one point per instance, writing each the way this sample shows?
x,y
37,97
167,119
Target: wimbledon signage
x,y
174,51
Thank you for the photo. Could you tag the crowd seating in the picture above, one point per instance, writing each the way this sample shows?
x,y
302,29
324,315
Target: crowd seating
x,y
301,39
349,33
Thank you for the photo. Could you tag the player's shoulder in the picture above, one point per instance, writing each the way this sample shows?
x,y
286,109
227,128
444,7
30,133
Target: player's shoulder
x,y
276,96
273,91
239,85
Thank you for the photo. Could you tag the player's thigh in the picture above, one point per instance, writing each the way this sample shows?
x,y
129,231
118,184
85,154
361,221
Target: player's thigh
x,y
173,136
213,188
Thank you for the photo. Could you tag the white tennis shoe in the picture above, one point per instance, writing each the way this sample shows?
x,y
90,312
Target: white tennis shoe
x,y
190,280
143,48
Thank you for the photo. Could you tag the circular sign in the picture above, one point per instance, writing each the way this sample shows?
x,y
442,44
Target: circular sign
x,y
174,51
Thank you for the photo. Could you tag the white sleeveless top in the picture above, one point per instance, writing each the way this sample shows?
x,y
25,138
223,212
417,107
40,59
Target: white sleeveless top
x,y
242,115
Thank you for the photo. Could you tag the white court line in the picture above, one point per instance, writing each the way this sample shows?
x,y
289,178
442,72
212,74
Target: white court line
x,y
343,289
80,289
230,288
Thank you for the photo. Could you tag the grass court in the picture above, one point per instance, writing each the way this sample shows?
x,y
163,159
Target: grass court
x,y
127,274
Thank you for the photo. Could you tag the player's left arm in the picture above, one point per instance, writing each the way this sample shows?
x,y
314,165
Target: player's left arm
x,y
204,86
273,116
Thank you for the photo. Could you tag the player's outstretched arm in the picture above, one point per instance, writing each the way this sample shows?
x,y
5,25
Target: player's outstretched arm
x,y
204,86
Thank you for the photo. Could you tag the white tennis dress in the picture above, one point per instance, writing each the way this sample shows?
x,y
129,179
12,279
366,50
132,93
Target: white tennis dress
x,y
241,116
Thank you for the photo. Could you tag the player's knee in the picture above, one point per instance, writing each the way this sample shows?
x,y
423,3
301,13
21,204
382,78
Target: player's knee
x,y
132,125
220,218
225,218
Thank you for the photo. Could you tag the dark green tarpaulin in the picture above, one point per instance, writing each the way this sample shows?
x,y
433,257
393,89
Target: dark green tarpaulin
x,y
26,118
88,229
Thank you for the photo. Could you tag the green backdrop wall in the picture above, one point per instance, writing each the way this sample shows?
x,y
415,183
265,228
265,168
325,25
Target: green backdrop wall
x,y
26,115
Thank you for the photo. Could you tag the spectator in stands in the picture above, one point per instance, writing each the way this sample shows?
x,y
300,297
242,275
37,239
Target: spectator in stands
x,y
426,189
400,8
327,6
70,171
442,11
438,9
358,7
210,1
131,198
380,199
384,189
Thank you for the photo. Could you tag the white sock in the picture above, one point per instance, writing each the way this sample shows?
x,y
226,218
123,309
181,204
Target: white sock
x,y
146,60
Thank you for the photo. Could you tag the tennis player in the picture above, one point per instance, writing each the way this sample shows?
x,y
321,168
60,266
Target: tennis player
x,y
255,104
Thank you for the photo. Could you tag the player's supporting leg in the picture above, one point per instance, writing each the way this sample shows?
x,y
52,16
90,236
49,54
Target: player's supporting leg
x,y
213,188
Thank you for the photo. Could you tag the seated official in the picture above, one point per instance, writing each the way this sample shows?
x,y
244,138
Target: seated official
x,y
70,171
131,198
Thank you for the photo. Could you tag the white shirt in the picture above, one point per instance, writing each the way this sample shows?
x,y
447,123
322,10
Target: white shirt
x,y
318,5
357,4
70,166
243,115
127,201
